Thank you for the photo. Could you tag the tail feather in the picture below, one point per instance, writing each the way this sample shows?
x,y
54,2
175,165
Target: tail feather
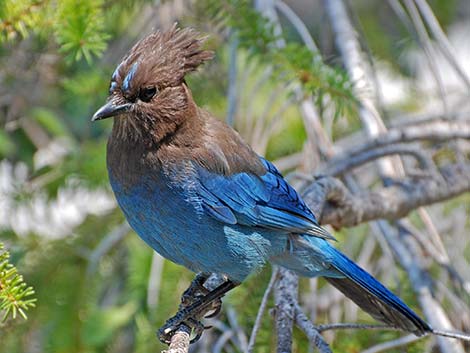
x,y
373,297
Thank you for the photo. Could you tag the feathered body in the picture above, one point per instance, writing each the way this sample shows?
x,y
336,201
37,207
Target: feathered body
x,y
197,193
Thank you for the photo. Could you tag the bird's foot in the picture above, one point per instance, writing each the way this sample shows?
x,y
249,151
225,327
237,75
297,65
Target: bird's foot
x,y
191,317
195,291
192,314
166,332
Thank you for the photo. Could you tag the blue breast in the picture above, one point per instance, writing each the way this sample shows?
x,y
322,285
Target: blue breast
x,y
169,218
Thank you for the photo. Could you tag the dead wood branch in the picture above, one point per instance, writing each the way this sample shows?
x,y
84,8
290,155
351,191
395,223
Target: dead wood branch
x,y
312,332
435,131
285,297
340,166
342,209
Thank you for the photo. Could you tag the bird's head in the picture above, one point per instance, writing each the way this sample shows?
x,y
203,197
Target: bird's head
x,y
147,92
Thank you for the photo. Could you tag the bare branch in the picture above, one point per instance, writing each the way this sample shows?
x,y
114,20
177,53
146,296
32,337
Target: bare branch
x,y
425,42
232,99
409,257
348,326
442,41
261,310
285,297
106,244
459,335
155,278
436,131
340,166
312,332
342,209
298,24
402,341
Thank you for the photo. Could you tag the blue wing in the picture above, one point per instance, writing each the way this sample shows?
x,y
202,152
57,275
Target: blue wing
x,y
265,201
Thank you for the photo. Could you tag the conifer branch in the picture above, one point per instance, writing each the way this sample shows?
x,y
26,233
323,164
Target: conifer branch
x,y
15,295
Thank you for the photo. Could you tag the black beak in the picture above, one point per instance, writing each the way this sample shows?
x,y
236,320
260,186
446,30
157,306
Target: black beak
x,y
110,109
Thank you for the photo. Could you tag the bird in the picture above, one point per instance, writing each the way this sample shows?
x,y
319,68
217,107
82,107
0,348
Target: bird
x,y
197,193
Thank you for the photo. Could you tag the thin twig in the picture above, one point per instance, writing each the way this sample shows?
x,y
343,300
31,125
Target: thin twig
x,y
298,24
442,41
106,244
436,131
402,341
155,278
261,310
348,326
404,248
232,99
311,331
459,335
424,41
338,167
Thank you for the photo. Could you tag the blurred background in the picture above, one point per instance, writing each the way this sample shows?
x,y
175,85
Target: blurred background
x,y
98,287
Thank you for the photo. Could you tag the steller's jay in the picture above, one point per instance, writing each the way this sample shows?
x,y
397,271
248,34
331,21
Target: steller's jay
x,y
195,192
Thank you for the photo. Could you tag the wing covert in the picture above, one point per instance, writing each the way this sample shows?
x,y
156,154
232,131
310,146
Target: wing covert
x,y
265,201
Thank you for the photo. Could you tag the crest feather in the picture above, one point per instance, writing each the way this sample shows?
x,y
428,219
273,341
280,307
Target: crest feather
x,y
167,55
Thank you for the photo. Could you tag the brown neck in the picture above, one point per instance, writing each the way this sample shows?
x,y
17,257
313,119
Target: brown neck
x,y
153,131
139,149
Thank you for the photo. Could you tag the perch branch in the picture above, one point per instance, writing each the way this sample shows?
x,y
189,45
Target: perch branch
x,y
180,340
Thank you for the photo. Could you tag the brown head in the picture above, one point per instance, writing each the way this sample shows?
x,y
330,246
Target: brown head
x,y
148,96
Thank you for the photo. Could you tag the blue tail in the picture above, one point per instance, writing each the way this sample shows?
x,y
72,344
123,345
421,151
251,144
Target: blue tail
x,y
372,296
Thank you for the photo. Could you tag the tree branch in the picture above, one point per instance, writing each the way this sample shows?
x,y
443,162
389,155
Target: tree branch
x,y
180,340
402,341
261,310
285,297
340,166
342,209
312,332
436,131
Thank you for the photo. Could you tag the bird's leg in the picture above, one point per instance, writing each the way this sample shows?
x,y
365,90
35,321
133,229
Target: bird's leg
x,y
195,290
192,314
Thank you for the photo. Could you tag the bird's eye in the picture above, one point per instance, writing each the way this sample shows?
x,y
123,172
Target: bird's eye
x,y
147,93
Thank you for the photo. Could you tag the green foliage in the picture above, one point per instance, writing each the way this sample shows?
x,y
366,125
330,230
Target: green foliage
x,y
15,295
80,29
6,144
290,60
288,140
77,25
102,324
18,18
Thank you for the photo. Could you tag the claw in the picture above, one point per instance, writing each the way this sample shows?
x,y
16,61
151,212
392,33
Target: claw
x,y
198,330
195,291
165,333
217,309
190,315
186,317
